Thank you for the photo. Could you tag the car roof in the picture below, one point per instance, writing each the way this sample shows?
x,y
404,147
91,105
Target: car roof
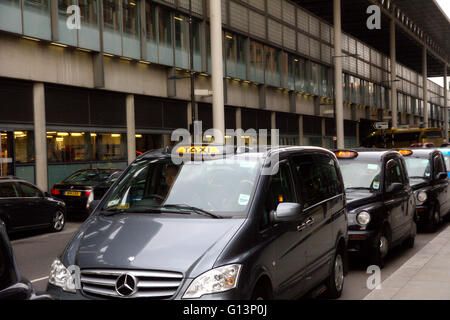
x,y
422,152
5,179
369,153
266,151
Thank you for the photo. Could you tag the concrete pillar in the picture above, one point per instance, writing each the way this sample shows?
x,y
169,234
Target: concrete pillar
x,y
324,134
238,118
358,142
393,75
339,99
217,67
425,87
300,130
131,129
273,120
40,136
445,103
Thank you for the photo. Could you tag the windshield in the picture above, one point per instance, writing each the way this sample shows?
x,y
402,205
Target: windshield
x,y
418,168
359,174
223,187
88,177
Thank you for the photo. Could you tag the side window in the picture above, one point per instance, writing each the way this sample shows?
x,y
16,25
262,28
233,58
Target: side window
x,y
438,165
28,191
393,173
280,190
8,190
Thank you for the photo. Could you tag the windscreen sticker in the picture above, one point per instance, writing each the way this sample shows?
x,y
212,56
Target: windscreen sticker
x,y
113,203
243,199
376,185
372,166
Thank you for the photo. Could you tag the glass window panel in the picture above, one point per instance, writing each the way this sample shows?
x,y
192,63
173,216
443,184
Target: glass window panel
x,y
67,147
112,38
11,16
241,66
66,35
36,17
323,81
6,153
146,142
109,146
300,76
89,34
291,72
272,66
165,37
256,62
231,54
23,147
131,36
314,79
182,41
151,26
197,46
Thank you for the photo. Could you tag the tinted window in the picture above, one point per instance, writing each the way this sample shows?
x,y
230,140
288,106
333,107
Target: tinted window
x,y
393,172
318,178
280,190
89,177
29,191
8,190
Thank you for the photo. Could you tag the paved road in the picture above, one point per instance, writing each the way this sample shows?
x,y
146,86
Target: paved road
x,y
36,251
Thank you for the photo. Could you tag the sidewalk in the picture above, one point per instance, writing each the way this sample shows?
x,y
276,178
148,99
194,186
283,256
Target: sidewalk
x,y
426,276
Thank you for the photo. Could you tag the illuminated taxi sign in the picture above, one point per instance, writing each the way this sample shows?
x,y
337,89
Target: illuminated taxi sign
x,y
208,150
405,152
346,154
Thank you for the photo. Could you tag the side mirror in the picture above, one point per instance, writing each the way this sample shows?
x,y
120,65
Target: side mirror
x,y
441,176
395,187
93,205
286,211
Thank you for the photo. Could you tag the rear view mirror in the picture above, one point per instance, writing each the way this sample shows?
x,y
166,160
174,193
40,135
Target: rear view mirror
x,y
441,176
286,211
395,187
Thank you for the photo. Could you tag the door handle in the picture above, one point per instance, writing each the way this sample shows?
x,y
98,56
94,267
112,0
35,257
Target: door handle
x,y
305,224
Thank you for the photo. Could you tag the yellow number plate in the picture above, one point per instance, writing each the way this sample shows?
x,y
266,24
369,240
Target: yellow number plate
x,y
72,193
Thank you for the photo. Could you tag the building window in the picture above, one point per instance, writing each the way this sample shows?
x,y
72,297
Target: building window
x,y
36,18
196,27
108,146
131,35
314,79
151,24
256,62
67,147
300,75
89,34
182,41
165,48
66,35
23,147
272,66
112,38
11,16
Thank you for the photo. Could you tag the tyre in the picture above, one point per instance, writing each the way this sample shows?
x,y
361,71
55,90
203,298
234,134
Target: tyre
x,y
59,221
434,220
380,251
335,283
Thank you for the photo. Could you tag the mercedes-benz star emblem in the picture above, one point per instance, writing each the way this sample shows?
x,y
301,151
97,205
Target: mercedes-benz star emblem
x,y
126,285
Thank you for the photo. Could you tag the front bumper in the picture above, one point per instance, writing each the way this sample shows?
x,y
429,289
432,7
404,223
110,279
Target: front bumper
x,y
359,242
58,294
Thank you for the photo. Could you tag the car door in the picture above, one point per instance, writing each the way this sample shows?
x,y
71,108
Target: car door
x,y
395,202
36,211
289,245
314,171
10,206
440,185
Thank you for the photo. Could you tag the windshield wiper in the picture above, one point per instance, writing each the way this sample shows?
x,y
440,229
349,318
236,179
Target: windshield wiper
x,y
358,188
417,177
192,209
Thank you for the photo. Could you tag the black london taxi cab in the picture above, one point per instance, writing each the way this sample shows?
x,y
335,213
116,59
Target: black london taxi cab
x,y
380,202
428,178
219,228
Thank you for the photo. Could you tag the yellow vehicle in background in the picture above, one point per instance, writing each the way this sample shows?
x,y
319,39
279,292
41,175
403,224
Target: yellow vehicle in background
x,y
397,138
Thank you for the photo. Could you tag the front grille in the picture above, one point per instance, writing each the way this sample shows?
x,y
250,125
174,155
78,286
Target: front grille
x,y
149,284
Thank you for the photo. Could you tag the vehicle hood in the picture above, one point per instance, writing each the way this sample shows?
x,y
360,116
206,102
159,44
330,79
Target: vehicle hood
x,y
418,183
357,198
157,242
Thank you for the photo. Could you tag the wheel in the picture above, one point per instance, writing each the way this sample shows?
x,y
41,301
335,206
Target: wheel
x,y
434,220
58,222
335,283
380,251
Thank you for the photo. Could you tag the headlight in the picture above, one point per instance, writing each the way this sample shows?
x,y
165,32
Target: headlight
x,y
422,196
214,281
61,277
363,218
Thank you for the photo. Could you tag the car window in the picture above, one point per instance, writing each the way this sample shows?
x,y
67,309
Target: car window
x,y
318,178
280,190
8,190
393,173
28,191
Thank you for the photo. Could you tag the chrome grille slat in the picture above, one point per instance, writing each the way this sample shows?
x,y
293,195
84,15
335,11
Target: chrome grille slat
x,y
149,284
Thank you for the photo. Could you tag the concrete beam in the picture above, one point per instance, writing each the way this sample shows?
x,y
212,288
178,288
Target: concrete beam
x,y
40,136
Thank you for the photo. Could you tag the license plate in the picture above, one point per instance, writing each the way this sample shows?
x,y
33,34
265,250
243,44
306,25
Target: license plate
x,y
72,193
